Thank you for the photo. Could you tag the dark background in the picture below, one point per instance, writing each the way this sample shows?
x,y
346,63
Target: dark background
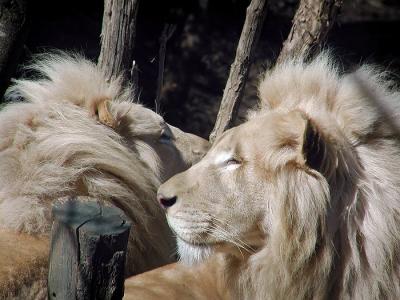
x,y
203,46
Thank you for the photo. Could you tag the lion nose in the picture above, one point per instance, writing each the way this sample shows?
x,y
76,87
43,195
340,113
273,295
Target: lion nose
x,y
166,201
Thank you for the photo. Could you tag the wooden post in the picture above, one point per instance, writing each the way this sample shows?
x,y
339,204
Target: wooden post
x,y
234,88
88,249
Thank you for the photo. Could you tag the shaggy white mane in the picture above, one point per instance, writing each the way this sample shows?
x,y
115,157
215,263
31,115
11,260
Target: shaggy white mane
x,y
334,234
51,145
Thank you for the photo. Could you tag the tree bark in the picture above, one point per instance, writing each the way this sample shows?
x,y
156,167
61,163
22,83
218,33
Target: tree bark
x,y
118,37
311,24
234,88
12,35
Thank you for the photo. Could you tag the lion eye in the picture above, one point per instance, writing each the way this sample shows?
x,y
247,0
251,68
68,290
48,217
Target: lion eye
x,y
232,161
165,136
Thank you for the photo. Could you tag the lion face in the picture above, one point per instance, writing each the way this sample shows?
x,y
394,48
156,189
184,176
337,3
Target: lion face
x,y
226,201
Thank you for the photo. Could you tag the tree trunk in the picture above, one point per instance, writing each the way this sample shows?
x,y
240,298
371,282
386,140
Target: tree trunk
x,y
12,35
311,23
118,37
234,88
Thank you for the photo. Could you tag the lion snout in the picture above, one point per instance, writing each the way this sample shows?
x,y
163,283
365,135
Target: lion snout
x,y
194,147
170,192
200,148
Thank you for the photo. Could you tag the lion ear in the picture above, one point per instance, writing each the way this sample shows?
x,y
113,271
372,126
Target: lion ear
x,y
314,146
102,110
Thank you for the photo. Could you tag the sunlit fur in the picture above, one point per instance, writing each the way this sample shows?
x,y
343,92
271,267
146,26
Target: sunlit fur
x,y
285,222
53,145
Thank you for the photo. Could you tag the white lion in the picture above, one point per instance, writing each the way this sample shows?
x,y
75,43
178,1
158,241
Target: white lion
x,y
300,202
74,133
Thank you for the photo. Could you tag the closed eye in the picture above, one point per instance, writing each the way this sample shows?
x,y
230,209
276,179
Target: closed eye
x,y
232,161
166,136
226,160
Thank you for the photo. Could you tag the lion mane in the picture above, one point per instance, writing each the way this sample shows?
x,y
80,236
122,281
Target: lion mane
x,y
53,145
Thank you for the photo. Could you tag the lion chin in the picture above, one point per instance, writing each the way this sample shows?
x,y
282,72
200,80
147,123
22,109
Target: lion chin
x,y
191,254
307,191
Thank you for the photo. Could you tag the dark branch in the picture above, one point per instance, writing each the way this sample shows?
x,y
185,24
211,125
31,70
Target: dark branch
x,y
167,33
12,35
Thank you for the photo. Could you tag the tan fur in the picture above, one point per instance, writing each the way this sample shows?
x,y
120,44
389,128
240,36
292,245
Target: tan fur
x,y
300,202
21,265
76,134
176,281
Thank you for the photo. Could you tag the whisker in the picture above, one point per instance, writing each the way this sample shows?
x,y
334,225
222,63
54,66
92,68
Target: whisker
x,y
230,226
225,238
246,246
217,229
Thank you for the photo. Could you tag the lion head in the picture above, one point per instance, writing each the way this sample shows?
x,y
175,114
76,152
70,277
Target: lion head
x,y
303,199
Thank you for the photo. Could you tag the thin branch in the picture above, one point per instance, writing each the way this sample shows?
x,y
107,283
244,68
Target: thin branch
x,y
167,33
234,88
311,24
